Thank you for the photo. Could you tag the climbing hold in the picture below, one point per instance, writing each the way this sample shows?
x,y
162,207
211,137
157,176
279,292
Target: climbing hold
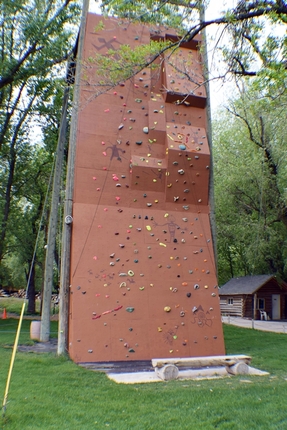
x,y
181,171
182,147
121,126
184,219
184,284
148,227
167,308
196,286
162,244
139,142
194,309
131,273
123,284
130,309
159,329
188,294
145,130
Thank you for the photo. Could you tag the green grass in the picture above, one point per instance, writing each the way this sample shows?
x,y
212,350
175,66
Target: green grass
x,y
48,392
14,305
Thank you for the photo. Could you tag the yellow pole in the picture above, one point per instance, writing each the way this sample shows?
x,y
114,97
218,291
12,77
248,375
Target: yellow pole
x,y
13,358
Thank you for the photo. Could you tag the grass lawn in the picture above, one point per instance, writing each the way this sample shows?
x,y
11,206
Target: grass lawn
x,y
14,305
49,392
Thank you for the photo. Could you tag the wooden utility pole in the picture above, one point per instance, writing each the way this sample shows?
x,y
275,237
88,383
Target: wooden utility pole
x,y
68,210
52,229
209,134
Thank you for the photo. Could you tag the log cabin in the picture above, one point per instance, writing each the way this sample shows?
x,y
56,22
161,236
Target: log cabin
x,y
257,297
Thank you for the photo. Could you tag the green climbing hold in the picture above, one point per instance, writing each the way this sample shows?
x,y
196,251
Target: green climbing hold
x,y
130,309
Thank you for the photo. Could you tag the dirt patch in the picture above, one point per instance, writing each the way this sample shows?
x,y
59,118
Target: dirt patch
x,y
40,347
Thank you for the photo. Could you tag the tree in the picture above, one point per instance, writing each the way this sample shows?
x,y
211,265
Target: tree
x,y
245,47
250,163
36,37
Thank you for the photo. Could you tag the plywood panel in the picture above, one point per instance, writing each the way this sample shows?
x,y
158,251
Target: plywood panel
x,y
143,280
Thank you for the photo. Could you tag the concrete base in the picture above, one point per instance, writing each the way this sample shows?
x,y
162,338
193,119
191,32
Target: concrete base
x,y
193,374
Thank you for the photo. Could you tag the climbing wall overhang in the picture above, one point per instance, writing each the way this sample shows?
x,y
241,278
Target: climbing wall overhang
x,y
143,278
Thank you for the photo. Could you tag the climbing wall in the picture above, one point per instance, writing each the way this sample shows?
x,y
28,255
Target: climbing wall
x,y
143,280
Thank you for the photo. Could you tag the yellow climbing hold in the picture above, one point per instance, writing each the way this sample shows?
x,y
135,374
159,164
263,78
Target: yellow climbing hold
x,y
159,329
148,227
167,308
162,244
166,215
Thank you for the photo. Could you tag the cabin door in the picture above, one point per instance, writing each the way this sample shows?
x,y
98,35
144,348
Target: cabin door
x,y
276,307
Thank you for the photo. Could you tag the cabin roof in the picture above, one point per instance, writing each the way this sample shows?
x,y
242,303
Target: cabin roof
x,y
245,284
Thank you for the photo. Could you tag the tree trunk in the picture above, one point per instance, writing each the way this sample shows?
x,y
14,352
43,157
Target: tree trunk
x,y
31,288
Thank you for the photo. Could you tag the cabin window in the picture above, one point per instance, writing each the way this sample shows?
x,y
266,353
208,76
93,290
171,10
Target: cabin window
x,y
230,301
261,304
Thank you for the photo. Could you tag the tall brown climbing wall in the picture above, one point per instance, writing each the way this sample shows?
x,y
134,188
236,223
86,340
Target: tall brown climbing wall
x,y
143,281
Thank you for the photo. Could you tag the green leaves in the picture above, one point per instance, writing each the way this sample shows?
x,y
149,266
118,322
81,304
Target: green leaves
x,y
119,65
36,38
250,181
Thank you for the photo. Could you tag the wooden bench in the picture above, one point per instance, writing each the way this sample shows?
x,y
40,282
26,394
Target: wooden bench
x,y
168,368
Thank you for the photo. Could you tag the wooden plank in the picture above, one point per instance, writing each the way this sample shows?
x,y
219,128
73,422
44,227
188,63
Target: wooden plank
x,y
221,360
